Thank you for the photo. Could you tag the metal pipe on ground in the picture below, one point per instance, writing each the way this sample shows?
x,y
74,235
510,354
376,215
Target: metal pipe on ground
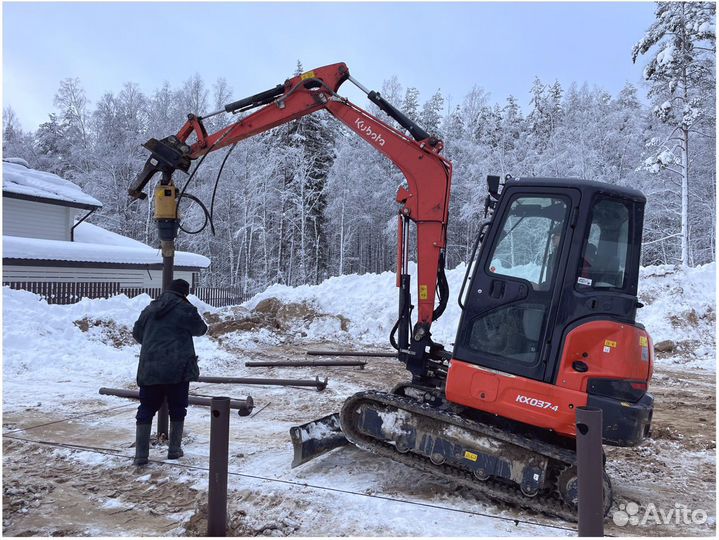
x,y
317,383
590,472
243,406
352,353
309,363
219,446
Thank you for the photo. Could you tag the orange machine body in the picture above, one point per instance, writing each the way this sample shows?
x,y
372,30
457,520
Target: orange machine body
x,y
610,350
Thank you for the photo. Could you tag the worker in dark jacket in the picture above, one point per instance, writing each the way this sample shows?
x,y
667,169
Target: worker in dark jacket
x,y
167,364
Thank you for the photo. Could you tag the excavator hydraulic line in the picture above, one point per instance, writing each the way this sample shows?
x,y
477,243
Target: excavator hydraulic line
x,y
416,131
262,98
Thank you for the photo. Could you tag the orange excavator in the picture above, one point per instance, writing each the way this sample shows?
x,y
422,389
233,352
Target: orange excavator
x,y
548,311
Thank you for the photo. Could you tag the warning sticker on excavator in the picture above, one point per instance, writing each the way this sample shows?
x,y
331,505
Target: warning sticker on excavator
x,y
308,75
423,292
471,456
643,341
610,343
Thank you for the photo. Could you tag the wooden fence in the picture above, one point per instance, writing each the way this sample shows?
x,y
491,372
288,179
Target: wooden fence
x,y
62,292
221,296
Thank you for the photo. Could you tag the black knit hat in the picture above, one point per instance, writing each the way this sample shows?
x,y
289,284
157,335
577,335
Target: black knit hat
x,y
180,286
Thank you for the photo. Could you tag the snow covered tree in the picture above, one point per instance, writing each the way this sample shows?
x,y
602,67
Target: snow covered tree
x,y
681,44
410,105
15,142
72,104
52,146
432,112
193,96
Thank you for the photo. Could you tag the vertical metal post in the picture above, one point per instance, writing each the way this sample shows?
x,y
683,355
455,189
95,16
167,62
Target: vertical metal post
x,y
219,446
167,229
590,471
167,276
163,420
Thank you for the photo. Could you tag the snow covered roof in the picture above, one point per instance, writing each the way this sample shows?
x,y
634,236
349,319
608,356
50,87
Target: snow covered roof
x,y
94,245
20,181
92,234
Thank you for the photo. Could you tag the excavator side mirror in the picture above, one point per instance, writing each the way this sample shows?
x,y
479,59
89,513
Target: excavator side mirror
x,y
493,185
493,188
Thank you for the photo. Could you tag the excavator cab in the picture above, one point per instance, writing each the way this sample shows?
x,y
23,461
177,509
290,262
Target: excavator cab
x,y
548,321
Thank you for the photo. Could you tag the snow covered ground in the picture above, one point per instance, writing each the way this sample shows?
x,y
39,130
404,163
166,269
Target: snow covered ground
x,y
57,357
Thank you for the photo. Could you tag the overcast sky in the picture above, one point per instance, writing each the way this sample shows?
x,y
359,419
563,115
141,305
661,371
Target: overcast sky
x,y
498,46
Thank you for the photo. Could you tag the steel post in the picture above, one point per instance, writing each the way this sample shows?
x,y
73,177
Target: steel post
x,y
163,420
352,353
243,406
168,263
590,471
166,220
219,446
309,363
317,383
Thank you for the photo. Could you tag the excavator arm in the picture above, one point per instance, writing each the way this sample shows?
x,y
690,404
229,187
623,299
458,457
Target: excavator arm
x,y
424,201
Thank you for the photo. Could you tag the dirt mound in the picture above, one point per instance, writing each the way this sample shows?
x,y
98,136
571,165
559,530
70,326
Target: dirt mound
x,y
276,518
271,314
109,332
682,349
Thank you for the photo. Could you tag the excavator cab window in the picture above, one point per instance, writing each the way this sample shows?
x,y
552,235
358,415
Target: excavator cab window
x,y
606,246
529,240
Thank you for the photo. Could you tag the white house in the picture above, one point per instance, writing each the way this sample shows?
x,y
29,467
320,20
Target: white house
x,y
45,237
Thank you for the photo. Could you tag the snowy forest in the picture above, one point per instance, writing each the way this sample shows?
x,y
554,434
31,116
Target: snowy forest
x,y
310,199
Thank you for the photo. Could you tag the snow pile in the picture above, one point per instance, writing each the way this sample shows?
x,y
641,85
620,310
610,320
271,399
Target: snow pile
x,y
368,302
679,306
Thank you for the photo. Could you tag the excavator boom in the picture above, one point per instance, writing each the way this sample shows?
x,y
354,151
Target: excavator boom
x,y
424,201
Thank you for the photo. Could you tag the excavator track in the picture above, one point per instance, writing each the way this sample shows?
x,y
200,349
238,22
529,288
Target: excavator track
x,y
546,501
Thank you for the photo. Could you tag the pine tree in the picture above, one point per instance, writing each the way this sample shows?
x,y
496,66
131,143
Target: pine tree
x,y
681,72
410,105
52,146
431,116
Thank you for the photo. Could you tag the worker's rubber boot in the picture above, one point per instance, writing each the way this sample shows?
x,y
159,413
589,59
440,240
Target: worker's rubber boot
x,y
175,450
142,443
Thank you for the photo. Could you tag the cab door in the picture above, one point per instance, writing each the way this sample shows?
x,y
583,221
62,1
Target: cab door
x,y
512,298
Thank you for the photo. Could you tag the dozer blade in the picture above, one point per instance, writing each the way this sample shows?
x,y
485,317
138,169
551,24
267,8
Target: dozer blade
x,y
315,438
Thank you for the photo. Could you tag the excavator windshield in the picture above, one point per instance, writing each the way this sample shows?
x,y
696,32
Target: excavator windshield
x,y
529,240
